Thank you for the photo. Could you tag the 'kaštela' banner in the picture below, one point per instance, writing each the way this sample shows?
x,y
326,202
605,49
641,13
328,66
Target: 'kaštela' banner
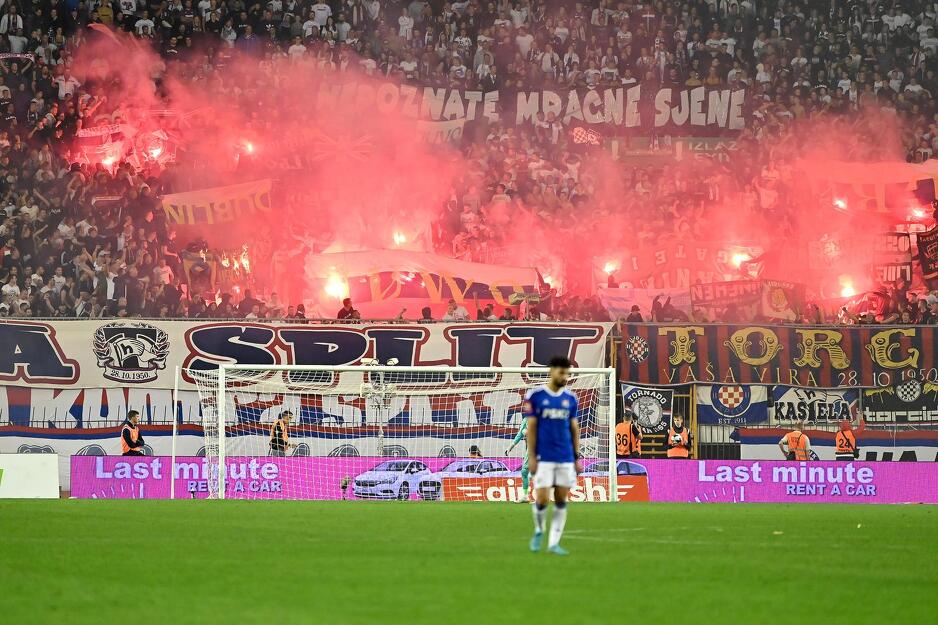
x,y
820,357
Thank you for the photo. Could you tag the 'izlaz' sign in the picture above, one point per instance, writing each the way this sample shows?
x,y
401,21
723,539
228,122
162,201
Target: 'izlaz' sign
x,y
860,356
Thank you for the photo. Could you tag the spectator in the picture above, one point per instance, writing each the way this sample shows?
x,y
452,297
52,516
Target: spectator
x,y
455,312
347,310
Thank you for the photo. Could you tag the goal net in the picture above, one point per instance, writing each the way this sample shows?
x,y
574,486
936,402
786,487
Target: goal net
x,y
425,433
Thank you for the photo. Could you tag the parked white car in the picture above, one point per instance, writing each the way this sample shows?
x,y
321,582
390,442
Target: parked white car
x,y
391,479
600,468
432,487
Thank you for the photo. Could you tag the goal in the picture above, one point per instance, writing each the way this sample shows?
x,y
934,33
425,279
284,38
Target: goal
x,y
387,432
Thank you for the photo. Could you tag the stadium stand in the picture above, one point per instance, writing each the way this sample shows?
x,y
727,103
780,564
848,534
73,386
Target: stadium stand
x,y
63,256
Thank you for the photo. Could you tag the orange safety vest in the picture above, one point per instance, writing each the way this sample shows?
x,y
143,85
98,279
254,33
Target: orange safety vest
x,y
845,443
797,444
279,442
624,439
134,435
680,450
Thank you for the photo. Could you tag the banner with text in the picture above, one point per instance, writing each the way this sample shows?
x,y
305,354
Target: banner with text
x,y
790,404
441,132
912,402
425,478
928,252
741,481
329,437
96,354
739,299
382,282
652,407
892,257
816,357
227,215
697,111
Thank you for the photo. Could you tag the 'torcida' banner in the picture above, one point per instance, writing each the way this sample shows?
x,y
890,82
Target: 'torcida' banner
x,y
809,356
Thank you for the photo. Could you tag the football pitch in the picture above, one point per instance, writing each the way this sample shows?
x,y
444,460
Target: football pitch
x,y
181,562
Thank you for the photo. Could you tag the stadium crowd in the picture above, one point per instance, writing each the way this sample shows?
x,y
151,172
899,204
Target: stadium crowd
x,y
65,255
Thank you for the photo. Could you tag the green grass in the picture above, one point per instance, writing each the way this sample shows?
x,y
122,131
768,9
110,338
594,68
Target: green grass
x,y
102,562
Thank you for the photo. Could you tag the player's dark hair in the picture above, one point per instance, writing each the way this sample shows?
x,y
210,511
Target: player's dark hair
x,y
132,413
561,362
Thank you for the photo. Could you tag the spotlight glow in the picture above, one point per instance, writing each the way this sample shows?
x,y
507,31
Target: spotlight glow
x,y
609,267
399,238
840,203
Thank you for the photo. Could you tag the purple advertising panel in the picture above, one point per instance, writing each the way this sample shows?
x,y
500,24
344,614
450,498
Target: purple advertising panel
x,y
148,477
769,481
490,479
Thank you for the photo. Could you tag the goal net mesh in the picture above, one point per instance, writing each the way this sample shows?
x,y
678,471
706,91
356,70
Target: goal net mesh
x,y
384,432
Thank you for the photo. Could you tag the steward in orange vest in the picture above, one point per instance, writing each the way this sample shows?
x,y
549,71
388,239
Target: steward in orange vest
x,y
797,442
131,439
628,437
678,438
280,435
845,441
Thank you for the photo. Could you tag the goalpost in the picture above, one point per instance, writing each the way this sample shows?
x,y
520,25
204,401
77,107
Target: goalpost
x,y
389,432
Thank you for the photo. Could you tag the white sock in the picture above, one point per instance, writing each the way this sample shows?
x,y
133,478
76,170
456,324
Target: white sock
x,y
540,515
556,524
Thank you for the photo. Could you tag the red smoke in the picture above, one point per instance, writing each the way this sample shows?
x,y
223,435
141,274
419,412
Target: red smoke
x,y
351,179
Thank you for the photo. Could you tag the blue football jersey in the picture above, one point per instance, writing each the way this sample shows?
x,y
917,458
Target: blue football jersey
x,y
553,412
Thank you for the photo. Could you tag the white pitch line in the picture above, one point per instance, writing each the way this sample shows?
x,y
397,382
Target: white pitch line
x,y
657,541
607,530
